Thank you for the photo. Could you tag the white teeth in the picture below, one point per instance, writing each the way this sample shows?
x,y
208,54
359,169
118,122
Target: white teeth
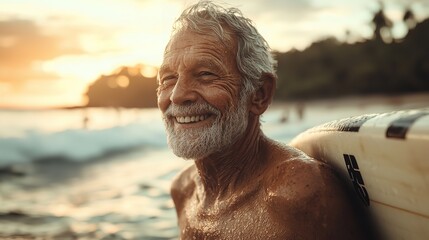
x,y
191,119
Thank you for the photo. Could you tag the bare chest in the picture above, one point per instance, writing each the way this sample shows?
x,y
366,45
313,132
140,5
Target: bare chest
x,y
250,220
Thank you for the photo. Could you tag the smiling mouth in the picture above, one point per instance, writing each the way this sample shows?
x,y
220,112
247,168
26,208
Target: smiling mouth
x,y
191,119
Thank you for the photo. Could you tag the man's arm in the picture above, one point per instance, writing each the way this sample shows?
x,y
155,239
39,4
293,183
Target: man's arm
x,y
182,188
313,203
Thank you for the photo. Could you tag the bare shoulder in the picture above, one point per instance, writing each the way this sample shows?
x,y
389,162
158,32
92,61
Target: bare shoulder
x,y
297,177
184,177
183,186
304,192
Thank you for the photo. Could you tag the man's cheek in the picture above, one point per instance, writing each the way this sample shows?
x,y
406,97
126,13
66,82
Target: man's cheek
x,y
163,101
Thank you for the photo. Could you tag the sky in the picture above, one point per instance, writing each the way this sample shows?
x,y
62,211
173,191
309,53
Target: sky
x,y
51,50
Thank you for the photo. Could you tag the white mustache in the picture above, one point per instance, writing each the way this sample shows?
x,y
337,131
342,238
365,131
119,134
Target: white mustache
x,y
193,109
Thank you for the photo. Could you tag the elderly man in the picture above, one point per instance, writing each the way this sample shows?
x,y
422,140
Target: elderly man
x,y
216,80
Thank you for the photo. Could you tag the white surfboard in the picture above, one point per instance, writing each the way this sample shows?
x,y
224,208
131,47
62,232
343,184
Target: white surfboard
x,y
385,157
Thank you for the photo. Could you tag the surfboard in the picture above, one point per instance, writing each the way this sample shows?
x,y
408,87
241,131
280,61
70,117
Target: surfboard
x,y
385,158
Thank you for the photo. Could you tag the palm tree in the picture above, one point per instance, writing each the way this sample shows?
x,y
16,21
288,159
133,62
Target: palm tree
x,y
409,19
382,26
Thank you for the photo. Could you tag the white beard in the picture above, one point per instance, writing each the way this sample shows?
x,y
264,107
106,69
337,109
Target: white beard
x,y
202,142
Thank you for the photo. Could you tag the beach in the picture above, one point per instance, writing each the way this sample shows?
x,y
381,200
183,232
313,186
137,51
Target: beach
x,y
106,173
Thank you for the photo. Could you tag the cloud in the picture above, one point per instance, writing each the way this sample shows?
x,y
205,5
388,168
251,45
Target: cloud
x,y
23,45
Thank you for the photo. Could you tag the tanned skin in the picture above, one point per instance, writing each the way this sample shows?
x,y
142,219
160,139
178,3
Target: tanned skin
x,y
255,188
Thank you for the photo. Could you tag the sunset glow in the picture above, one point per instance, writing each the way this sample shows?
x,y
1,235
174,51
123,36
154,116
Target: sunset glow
x,y
50,51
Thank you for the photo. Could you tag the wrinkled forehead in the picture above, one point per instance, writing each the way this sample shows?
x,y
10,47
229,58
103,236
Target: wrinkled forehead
x,y
190,48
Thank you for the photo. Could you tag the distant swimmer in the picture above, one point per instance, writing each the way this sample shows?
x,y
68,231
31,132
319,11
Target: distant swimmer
x,y
85,119
216,79
284,118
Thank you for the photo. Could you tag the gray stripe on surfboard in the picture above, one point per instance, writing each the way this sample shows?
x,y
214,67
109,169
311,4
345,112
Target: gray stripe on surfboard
x,y
399,127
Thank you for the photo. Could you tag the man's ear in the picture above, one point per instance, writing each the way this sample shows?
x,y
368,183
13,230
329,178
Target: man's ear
x,y
263,96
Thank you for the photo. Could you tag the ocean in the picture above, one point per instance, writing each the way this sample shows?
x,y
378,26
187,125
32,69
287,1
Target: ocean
x,y
101,173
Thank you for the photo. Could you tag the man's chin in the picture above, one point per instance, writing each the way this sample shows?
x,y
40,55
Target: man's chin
x,y
192,148
188,155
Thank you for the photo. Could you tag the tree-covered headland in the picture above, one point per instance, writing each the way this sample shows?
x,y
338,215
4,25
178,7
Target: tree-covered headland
x,y
381,65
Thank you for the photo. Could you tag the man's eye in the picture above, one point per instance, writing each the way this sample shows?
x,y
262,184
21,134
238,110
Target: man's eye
x,y
207,76
205,73
167,78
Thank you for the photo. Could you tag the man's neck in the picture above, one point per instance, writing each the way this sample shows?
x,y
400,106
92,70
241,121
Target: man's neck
x,y
224,172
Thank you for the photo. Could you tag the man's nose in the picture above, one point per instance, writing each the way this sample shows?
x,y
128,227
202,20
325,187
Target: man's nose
x,y
183,92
